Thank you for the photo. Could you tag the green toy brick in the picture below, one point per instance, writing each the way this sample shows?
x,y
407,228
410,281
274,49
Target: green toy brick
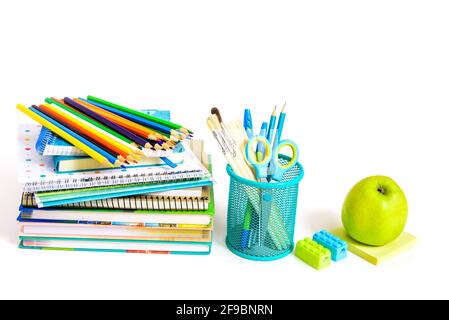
x,y
312,253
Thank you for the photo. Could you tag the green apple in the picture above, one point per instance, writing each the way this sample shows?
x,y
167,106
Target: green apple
x,y
375,211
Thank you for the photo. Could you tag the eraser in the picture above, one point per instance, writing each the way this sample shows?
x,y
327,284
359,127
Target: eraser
x,y
312,253
337,247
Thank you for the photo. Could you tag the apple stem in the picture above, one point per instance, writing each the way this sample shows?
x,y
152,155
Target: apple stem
x,y
381,190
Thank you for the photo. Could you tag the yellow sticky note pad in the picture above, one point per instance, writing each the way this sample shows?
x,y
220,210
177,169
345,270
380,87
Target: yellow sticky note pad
x,y
376,255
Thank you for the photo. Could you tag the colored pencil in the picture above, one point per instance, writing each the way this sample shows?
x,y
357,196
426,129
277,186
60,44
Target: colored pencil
x,y
163,142
141,114
80,131
272,125
161,145
280,124
145,122
85,133
130,149
137,139
131,126
108,138
86,118
65,106
169,133
89,148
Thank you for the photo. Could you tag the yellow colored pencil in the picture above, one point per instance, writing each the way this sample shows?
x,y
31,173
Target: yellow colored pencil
x,y
91,152
117,142
128,124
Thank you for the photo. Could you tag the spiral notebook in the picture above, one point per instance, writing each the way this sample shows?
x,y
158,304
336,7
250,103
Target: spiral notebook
x,y
38,174
181,201
122,215
50,144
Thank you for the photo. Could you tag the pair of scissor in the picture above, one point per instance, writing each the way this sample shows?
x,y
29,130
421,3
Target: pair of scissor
x,y
267,165
270,163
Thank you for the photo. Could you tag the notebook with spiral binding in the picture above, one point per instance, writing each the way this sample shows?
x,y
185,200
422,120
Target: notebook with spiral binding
x,y
50,144
174,217
149,201
38,174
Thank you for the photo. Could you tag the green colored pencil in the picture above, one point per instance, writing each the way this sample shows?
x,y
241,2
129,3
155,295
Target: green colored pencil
x,y
141,114
95,123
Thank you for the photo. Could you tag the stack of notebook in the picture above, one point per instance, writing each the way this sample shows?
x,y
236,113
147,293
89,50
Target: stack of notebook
x,y
162,204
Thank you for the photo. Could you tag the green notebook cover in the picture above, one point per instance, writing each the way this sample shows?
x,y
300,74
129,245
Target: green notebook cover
x,y
25,213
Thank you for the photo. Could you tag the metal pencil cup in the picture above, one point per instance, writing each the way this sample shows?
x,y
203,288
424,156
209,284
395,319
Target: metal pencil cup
x,y
261,215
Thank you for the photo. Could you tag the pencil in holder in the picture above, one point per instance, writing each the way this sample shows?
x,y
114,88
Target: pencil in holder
x,y
261,215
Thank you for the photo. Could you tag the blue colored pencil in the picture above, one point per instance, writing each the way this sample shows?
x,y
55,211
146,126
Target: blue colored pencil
x,y
277,138
112,159
69,126
280,124
137,119
272,126
124,132
119,129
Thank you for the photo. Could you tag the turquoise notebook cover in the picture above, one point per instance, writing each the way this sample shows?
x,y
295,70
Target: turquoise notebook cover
x,y
22,246
48,200
57,198
46,137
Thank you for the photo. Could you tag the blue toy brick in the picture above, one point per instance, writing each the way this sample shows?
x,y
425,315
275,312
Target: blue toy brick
x,y
337,247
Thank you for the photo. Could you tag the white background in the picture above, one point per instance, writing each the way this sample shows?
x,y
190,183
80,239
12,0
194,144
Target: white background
x,y
366,85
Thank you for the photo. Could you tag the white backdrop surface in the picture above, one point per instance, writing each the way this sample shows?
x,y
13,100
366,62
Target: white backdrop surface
x,y
366,85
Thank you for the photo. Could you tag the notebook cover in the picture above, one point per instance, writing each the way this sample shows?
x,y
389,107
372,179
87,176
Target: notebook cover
x,y
207,191
58,198
47,138
25,213
183,200
24,216
161,226
210,211
176,158
21,245
87,231
37,173
48,199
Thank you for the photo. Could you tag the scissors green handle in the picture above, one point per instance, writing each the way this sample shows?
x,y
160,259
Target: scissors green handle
x,y
261,165
277,168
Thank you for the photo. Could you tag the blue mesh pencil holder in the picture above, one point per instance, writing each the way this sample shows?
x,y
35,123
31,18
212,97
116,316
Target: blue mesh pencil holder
x,y
261,215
